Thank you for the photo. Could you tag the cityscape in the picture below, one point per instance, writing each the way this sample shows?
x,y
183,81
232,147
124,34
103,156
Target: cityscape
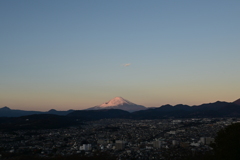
x,y
122,138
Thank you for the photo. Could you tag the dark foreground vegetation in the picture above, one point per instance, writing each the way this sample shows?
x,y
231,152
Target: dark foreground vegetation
x,y
227,143
226,146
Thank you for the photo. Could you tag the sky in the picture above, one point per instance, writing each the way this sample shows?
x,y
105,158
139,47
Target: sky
x,y
71,54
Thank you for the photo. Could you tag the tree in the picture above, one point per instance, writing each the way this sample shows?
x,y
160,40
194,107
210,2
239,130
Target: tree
x,y
227,143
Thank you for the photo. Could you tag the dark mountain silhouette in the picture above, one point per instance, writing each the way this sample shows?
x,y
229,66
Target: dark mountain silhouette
x,y
230,110
53,111
5,108
216,109
237,102
7,112
211,106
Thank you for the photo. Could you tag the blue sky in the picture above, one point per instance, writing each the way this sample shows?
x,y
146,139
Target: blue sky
x,y
71,54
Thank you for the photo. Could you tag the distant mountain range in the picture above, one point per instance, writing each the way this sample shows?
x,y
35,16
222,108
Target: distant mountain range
x,y
19,119
209,110
120,108
7,112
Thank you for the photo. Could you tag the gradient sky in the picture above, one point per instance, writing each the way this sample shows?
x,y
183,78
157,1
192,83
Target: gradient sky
x,y
70,54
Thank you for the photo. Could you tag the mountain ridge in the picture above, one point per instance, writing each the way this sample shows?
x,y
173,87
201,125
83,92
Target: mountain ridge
x,y
7,112
237,101
218,108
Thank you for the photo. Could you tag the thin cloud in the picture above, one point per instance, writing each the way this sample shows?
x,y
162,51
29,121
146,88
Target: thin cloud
x,y
127,64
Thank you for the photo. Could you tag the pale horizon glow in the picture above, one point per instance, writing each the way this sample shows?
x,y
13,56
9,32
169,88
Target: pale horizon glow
x,y
76,54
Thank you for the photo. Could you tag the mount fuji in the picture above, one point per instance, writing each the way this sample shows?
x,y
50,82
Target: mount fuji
x,y
119,103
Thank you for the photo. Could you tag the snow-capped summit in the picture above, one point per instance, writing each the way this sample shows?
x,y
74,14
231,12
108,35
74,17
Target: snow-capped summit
x,y
119,103
116,101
